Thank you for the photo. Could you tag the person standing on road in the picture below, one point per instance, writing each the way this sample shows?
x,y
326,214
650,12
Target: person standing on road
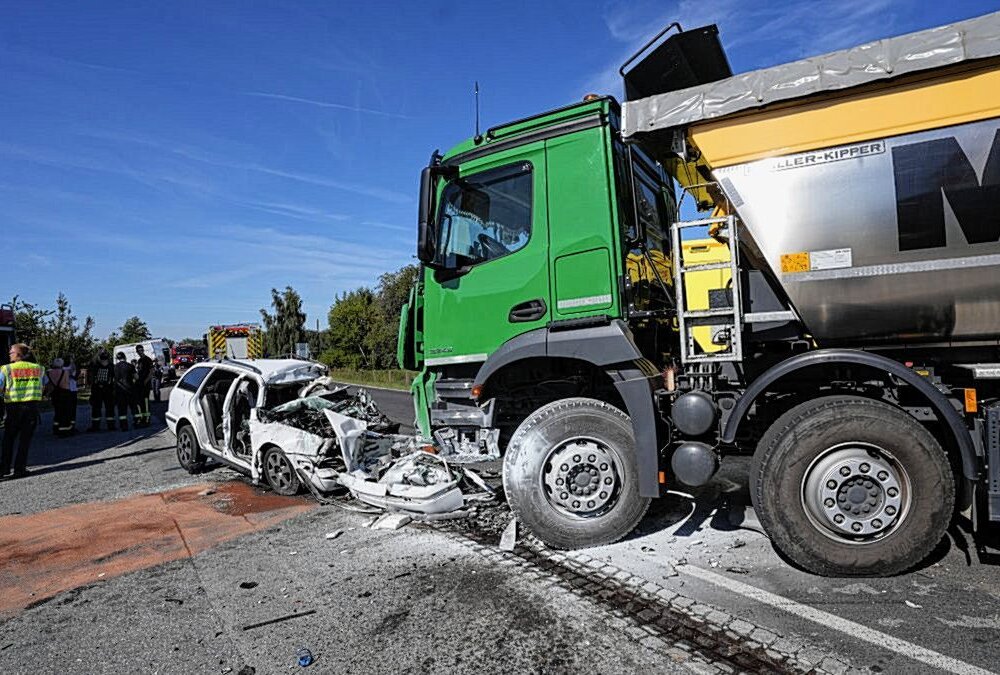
x,y
71,400
144,375
157,380
21,383
102,392
125,391
58,391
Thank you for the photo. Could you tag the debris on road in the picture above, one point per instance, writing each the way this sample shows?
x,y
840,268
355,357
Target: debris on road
x,y
738,570
279,619
509,537
391,521
247,585
304,657
912,605
334,534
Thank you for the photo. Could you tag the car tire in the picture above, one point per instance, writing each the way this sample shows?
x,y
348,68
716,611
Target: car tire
x,y
587,447
279,472
188,451
849,486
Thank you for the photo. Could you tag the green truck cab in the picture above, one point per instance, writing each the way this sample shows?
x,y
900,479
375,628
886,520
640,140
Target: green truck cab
x,y
528,235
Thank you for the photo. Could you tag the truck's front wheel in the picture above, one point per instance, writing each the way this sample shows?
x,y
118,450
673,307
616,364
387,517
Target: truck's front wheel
x,y
848,486
570,474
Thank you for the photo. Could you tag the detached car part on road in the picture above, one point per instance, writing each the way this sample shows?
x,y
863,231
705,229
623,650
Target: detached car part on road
x,y
285,423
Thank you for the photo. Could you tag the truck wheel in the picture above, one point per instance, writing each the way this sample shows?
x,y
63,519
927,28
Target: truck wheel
x,y
570,474
280,473
848,486
188,451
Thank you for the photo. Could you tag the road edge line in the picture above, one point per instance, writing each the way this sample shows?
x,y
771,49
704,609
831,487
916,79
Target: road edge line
x,y
845,626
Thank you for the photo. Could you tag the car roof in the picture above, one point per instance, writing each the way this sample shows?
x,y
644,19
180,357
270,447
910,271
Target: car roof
x,y
274,371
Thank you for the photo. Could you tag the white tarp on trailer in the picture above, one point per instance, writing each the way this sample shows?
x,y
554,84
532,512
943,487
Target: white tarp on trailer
x,y
969,40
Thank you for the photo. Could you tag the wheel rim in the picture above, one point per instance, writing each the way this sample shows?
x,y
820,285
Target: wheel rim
x,y
279,471
185,448
581,478
856,493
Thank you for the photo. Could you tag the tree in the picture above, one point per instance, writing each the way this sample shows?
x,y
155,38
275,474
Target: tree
x,y
55,333
29,320
134,330
350,320
392,291
286,327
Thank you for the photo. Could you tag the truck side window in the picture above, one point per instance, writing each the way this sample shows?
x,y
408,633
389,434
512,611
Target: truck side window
x,y
650,269
485,216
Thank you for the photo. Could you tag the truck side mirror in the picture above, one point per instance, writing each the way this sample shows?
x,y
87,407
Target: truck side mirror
x,y
425,234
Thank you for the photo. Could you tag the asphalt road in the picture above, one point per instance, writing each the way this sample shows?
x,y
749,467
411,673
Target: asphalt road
x,y
949,606
407,601
181,568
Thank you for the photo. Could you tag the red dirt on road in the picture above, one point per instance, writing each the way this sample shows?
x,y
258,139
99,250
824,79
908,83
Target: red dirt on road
x,y
46,553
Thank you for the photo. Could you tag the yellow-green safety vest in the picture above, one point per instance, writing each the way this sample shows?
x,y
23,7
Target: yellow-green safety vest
x,y
22,382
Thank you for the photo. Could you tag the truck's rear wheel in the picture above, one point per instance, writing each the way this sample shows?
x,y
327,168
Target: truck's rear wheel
x,y
848,486
570,474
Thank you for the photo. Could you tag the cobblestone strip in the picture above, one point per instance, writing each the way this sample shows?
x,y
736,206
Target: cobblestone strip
x,y
697,636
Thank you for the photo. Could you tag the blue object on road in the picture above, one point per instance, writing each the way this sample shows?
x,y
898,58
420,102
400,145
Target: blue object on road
x,y
304,656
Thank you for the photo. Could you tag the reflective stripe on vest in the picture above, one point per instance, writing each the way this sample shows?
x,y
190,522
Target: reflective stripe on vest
x,y
23,382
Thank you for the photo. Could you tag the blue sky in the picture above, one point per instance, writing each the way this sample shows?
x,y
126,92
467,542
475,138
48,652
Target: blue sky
x,y
177,160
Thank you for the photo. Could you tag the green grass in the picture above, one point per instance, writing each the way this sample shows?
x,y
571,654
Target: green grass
x,y
389,379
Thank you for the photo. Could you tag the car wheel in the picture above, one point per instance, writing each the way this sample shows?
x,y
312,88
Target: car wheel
x,y
570,474
188,451
848,486
280,473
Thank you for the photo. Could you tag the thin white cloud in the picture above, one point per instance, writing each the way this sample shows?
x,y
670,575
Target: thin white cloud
x,y
324,104
196,183
387,226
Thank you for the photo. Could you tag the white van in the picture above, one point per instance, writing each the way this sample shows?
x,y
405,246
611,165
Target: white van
x,y
156,349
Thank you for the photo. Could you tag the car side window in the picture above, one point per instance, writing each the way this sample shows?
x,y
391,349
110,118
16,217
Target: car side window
x,y
193,378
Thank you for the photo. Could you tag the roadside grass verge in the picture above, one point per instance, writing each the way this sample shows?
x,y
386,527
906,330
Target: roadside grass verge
x,y
390,379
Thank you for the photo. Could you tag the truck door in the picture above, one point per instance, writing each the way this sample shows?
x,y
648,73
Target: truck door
x,y
493,234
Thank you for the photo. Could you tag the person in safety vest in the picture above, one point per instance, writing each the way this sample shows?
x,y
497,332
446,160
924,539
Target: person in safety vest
x,y
102,392
21,383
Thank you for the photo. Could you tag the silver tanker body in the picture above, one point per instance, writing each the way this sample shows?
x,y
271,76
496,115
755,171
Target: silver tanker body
x,y
889,240
868,180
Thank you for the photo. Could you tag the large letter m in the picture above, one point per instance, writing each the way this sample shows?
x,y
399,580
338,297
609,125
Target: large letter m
x,y
925,174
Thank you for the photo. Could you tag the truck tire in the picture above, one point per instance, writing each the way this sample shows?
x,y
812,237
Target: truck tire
x,y
848,486
570,474
188,451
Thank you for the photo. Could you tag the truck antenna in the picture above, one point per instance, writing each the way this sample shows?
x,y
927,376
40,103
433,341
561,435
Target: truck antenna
x,y
477,108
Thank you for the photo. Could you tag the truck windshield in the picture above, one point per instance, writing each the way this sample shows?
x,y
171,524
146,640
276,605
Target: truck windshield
x,y
484,216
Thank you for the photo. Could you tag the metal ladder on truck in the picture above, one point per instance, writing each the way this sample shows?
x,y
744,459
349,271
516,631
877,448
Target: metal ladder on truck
x,y
727,318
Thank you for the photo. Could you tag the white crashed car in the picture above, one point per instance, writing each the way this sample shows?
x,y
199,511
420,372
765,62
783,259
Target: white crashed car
x,y
212,403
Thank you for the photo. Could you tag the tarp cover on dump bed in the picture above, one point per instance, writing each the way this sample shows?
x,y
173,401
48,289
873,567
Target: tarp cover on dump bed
x,y
884,59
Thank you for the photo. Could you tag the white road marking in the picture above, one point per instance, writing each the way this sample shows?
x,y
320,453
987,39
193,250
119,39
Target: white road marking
x,y
855,630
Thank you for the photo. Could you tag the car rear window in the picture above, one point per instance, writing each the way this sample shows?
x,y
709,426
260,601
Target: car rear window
x,y
193,378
